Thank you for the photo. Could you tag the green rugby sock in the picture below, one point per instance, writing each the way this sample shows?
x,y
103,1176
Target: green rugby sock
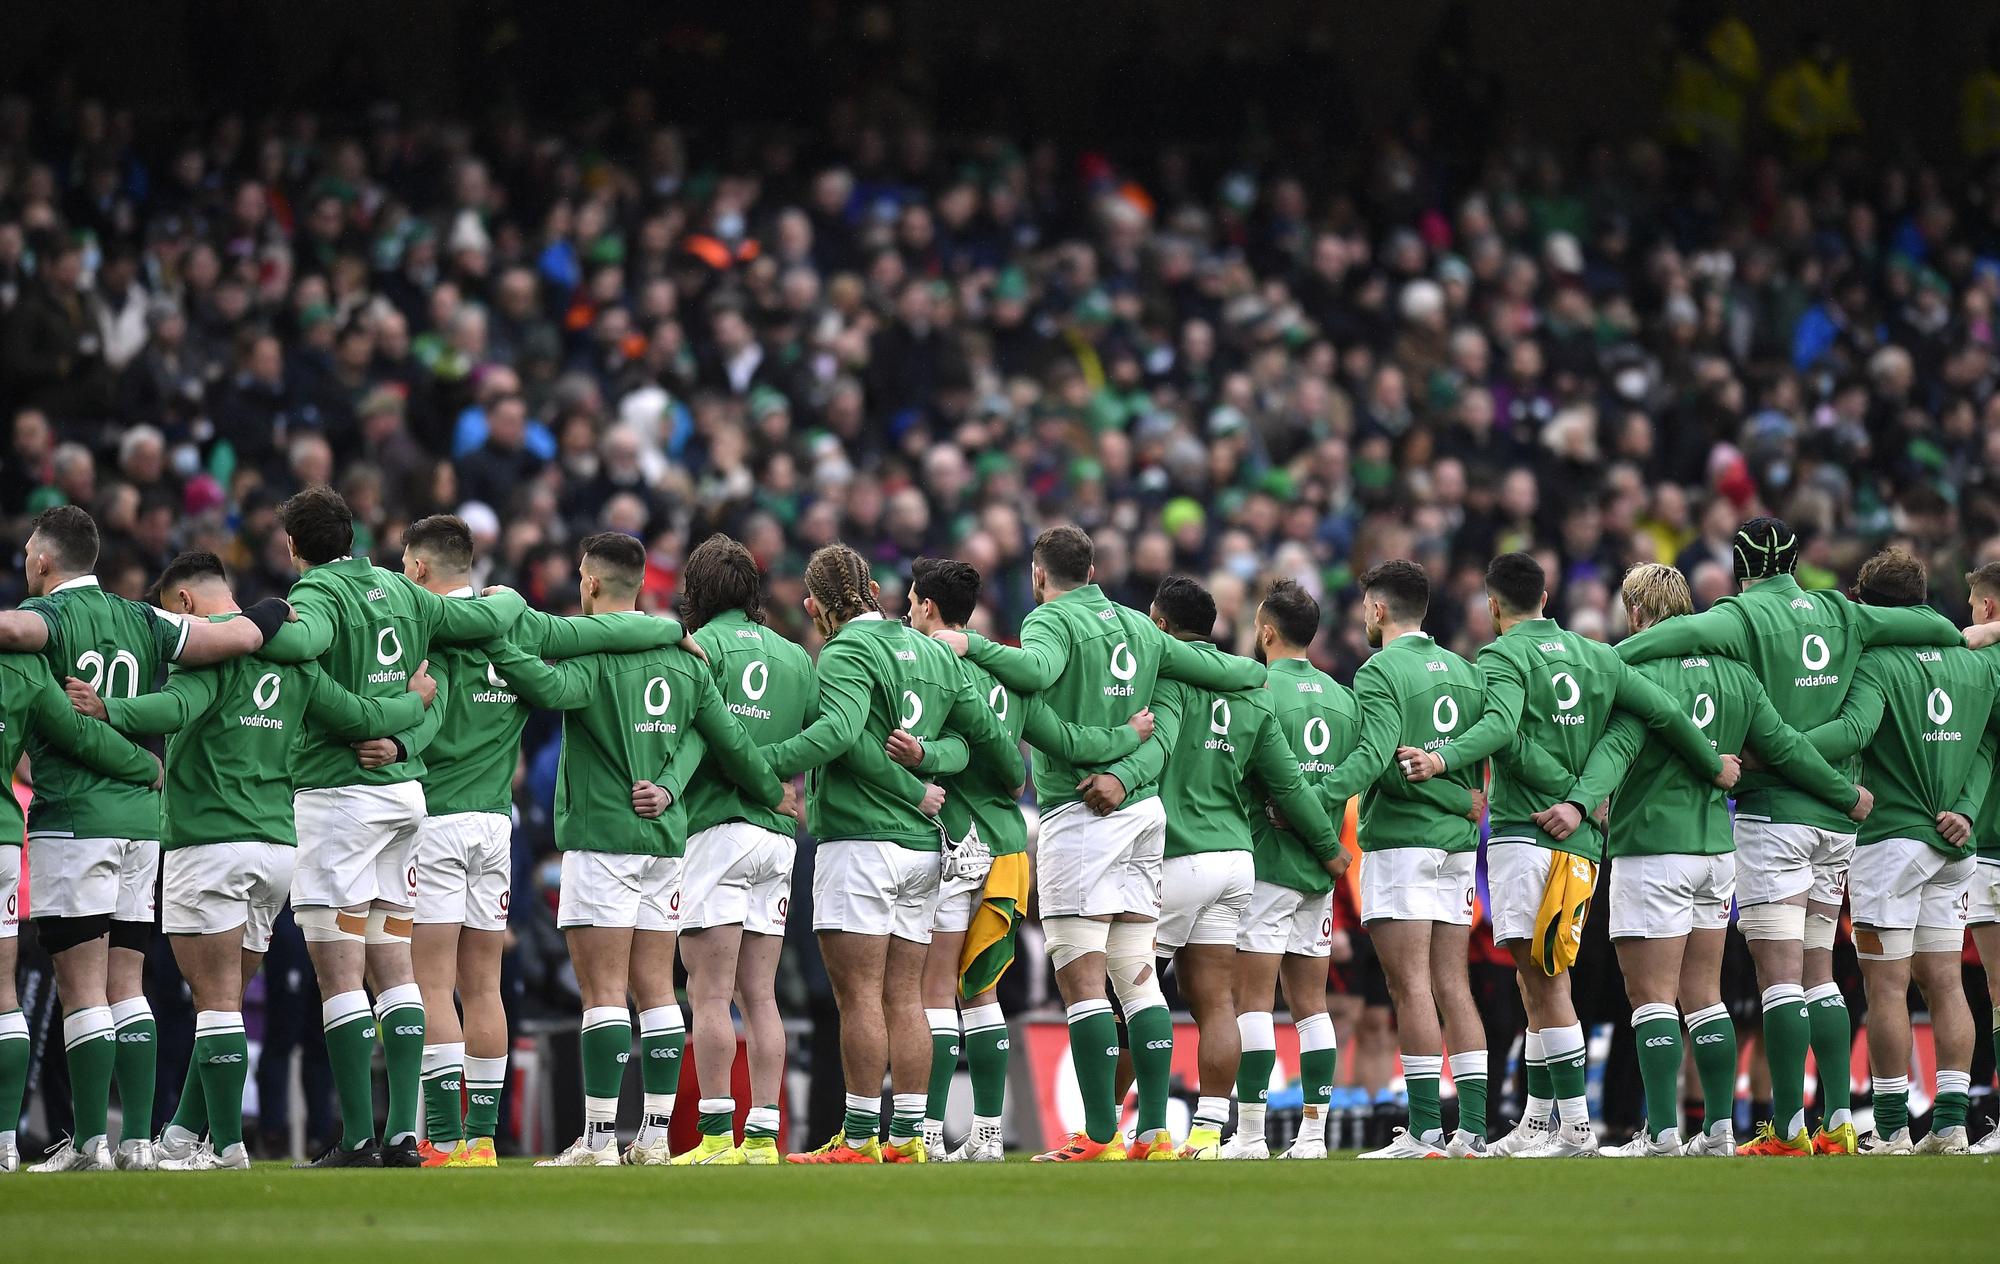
x,y
484,1080
1151,1033
1468,1076
1892,1104
399,1016
1656,1030
1093,1052
1420,1078
222,1058
89,1040
944,1061
1713,1034
138,1066
14,1049
444,1086
986,1049
1832,1039
350,1053
1787,1036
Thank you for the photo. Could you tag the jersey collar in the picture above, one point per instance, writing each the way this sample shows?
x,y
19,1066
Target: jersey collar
x,y
466,591
81,581
1423,636
1292,665
870,616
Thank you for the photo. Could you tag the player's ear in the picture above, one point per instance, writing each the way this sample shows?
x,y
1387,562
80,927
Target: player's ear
x,y
875,591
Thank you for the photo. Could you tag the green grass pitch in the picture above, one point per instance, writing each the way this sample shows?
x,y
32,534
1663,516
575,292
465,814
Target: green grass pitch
x,y
1934,1209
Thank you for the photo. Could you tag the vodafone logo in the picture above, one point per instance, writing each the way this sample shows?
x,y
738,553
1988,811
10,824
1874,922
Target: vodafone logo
x,y
1218,717
1444,714
756,679
494,678
265,695
506,898
1938,706
1815,653
1318,736
996,700
1124,665
659,696
388,647
913,709
1704,711
784,908
1568,692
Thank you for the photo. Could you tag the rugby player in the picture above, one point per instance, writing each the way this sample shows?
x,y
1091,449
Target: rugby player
x,y
1098,663
1792,849
1924,723
879,863
93,842
29,705
1673,871
1558,690
357,824
1417,884
228,842
973,931
623,836
1983,903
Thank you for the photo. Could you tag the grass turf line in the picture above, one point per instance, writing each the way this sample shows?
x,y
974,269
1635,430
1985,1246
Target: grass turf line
x,y
1880,1210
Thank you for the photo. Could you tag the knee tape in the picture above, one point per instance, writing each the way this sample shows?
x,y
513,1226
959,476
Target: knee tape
x,y
385,927
1772,921
60,934
1939,939
1819,932
330,926
1884,945
1128,959
1069,938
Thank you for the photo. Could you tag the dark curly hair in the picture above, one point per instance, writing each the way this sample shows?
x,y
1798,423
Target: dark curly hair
x,y
719,576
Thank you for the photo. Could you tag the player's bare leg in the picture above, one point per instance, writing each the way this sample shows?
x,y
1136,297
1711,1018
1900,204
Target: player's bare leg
x,y
485,1035
857,967
763,1042
909,1041
1940,976
1304,980
1405,950
399,1018
1208,981
662,1039
1987,939
602,957
1712,1034
92,1050
1652,969
1464,1033
214,966
434,963
1830,1030
1256,987
1775,933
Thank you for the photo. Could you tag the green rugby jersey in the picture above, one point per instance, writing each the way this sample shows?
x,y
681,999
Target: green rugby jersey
x,y
1920,720
1803,647
1986,827
231,727
1411,692
1660,804
626,715
1559,691
976,795
766,681
469,766
876,676
1321,723
33,708
369,628
1225,756
1096,663
121,649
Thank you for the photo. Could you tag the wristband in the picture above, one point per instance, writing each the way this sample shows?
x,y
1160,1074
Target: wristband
x,y
269,615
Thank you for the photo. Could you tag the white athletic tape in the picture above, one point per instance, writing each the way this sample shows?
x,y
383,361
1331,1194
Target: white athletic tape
x,y
1069,938
1772,921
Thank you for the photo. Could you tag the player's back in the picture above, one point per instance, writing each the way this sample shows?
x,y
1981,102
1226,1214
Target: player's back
x,y
1318,718
379,636
766,681
980,796
1437,695
1110,674
640,709
1570,686
120,648
913,684
1204,787
469,766
1663,803
228,775
1925,752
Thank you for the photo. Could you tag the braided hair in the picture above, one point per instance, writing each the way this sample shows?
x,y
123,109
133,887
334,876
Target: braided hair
x,y
1764,548
838,579
720,576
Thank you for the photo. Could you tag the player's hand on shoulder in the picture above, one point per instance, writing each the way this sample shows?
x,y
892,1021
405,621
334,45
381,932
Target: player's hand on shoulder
x,y
494,590
1862,805
904,748
1142,724
376,752
691,646
423,684
650,800
1732,768
84,698
1981,635
1560,821
954,639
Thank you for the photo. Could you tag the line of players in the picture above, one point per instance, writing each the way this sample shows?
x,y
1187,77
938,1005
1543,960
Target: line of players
x,y
1213,844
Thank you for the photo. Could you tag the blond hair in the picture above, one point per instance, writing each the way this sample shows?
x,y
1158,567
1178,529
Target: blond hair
x,y
1657,591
